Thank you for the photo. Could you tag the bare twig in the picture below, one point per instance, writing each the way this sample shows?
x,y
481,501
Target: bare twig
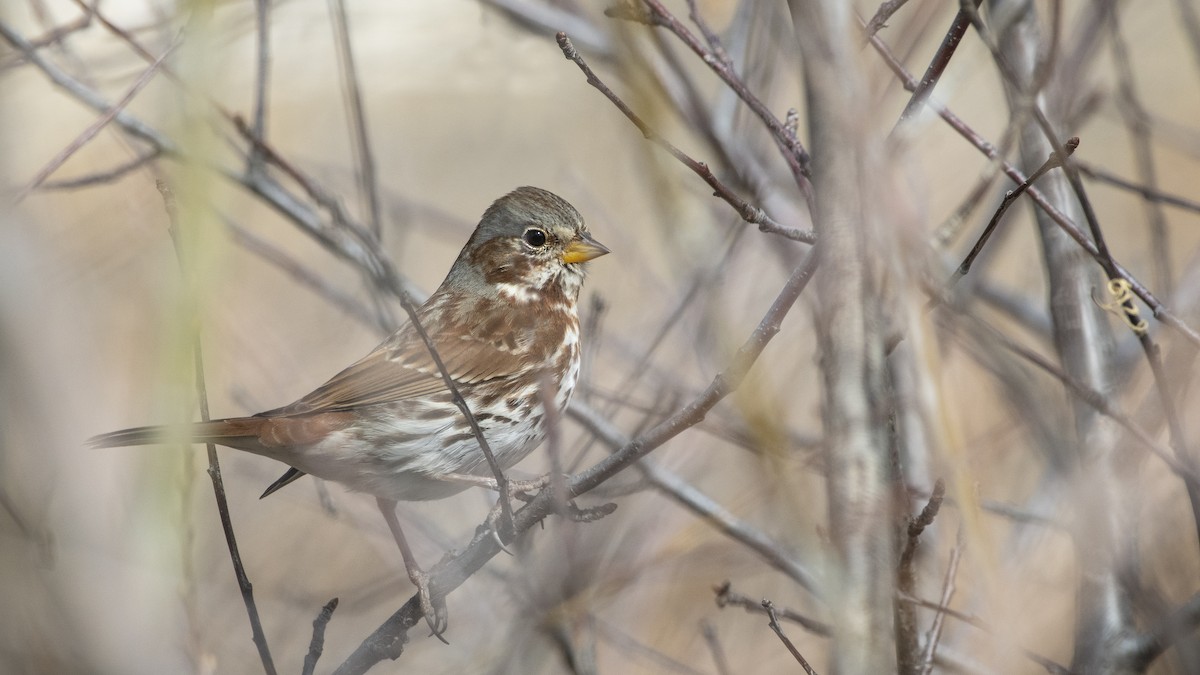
x,y
774,624
1098,401
885,12
62,32
702,505
368,181
627,643
1148,193
937,65
935,630
1052,163
129,123
794,153
103,177
317,645
1049,665
907,641
1137,120
88,134
710,36
726,597
262,74
751,214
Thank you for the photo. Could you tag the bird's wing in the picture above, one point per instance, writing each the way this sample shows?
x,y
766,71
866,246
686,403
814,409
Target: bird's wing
x,y
401,368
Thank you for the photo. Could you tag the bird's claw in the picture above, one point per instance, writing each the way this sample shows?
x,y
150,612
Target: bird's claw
x,y
433,606
499,541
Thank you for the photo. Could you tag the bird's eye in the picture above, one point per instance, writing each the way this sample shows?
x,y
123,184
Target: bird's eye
x,y
534,237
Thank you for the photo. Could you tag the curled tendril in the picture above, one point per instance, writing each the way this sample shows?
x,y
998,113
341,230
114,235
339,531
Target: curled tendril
x,y
1123,305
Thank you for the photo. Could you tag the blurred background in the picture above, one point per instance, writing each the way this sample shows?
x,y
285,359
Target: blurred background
x,y
114,560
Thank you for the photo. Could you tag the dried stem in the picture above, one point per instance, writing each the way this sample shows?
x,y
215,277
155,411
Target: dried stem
x,y
214,465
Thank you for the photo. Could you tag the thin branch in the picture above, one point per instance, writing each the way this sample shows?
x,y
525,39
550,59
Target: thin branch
x,y
317,646
62,32
86,95
917,525
971,620
262,75
751,214
1137,120
368,180
630,645
794,153
885,12
1148,193
1096,400
1011,196
774,624
214,466
700,504
88,134
710,36
935,630
937,65
103,177
726,597
720,660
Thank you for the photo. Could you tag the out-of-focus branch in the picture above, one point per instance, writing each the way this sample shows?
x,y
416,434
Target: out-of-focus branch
x,y
849,319
1161,311
697,502
751,214
368,181
1149,646
1137,120
95,128
1147,192
937,65
656,14
214,465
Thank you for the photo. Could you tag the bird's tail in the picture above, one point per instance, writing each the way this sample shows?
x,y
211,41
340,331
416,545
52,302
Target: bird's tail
x,y
237,432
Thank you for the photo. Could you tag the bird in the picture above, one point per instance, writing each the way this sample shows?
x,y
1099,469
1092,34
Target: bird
x,y
505,325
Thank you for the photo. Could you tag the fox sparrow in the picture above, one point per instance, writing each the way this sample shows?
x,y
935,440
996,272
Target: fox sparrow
x,y
504,322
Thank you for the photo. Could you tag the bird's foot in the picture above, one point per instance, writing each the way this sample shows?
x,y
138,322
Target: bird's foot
x,y
526,489
433,606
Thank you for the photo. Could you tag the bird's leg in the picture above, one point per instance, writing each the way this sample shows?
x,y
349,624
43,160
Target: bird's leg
x,y
432,606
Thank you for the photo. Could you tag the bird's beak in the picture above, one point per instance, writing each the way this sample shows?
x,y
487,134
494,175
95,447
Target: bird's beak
x,y
582,249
